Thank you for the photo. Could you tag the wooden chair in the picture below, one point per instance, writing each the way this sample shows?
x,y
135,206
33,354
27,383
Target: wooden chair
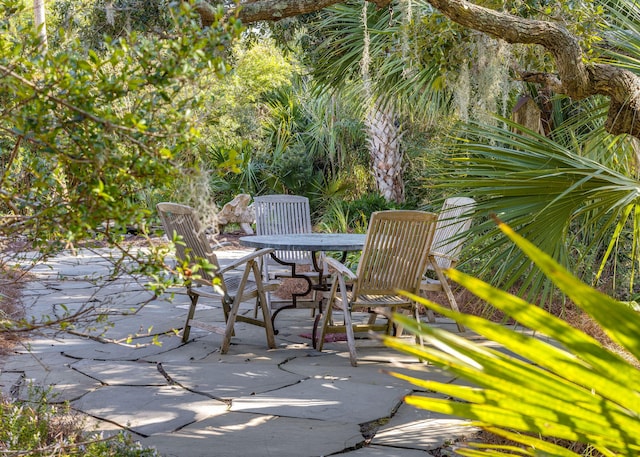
x,y
453,224
394,258
182,225
282,215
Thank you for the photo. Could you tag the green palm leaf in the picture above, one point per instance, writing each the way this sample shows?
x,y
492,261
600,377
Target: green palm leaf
x,y
559,199
557,383
621,45
394,78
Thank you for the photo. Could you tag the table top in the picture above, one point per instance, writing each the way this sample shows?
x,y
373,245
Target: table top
x,y
307,241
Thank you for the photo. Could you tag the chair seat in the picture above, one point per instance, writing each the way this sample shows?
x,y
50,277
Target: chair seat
x,y
233,283
371,301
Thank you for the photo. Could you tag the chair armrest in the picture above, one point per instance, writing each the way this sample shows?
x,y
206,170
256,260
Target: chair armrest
x,y
434,258
339,267
254,255
442,254
220,244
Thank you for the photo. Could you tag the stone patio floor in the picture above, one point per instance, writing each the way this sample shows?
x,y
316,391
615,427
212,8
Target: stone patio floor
x,y
188,400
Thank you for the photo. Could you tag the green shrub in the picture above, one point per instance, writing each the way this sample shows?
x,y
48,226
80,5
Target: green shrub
x,y
353,215
87,137
552,382
38,428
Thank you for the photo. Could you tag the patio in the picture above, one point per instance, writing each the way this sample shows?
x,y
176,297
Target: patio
x,y
189,400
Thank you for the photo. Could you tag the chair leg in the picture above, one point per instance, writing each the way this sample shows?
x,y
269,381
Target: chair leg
x,y
391,329
419,338
233,312
264,275
348,323
231,320
326,318
226,309
447,290
192,309
262,301
394,329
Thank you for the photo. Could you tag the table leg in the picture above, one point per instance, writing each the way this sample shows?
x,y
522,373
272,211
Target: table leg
x,y
323,287
294,296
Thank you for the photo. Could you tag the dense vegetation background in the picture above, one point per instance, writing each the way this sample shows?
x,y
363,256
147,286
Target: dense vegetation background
x,y
129,103
355,107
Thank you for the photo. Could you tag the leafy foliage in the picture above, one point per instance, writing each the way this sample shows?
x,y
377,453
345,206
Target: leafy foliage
x,y
572,192
556,382
316,143
84,134
399,73
92,20
552,192
237,102
621,45
40,429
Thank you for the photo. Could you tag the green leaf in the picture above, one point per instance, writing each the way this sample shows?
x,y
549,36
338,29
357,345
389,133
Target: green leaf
x,y
546,379
621,323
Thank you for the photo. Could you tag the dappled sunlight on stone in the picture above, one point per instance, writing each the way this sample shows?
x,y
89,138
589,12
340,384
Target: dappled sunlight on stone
x,y
139,376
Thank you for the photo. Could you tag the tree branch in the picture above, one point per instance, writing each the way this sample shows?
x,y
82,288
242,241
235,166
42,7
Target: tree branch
x,y
513,29
274,10
574,79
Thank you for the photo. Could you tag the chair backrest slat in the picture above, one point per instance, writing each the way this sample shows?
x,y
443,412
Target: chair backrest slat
x,y
453,221
395,252
281,215
183,221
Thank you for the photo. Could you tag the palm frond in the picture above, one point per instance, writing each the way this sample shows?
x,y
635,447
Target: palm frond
x,y
394,79
621,45
545,190
548,380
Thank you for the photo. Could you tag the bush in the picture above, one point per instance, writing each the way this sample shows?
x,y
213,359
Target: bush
x,y
353,215
37,428
86,136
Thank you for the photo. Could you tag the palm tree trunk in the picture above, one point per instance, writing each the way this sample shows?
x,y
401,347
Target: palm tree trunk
x,y
386,155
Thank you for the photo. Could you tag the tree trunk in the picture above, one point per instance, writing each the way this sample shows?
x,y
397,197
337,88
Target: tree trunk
x,y
40,23
528,113
386,155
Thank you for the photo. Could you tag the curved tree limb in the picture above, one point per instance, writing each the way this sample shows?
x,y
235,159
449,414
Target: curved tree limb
x,y
513,29
273,10
574,78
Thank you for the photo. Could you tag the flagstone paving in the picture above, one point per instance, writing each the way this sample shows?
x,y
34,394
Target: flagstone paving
x,y
188,400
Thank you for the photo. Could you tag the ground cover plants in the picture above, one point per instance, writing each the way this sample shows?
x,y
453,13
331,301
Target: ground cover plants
x,y
38,429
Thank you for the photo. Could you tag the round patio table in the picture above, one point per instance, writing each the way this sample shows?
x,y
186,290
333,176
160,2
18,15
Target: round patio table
x,y
314,242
